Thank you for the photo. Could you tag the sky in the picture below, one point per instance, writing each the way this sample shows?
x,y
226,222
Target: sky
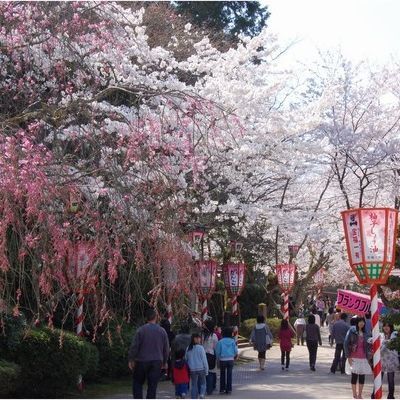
x,y
362,29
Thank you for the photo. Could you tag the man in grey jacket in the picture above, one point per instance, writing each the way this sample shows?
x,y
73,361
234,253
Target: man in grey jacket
x,y
339,331
148,354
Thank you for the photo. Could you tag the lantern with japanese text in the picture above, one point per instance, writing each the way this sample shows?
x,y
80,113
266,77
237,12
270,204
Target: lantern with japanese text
x,y
206,271
234,274
371,241
285,274
293,250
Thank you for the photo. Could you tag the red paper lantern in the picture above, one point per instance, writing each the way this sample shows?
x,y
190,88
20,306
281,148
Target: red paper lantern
x,y
293,250
285,274
371,242
319,278
197,237
234,274
206,271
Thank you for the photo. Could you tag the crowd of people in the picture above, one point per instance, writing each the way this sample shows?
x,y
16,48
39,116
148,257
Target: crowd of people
x,y
191,361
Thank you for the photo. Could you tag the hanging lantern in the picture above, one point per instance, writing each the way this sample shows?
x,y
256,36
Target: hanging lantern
x,y
207,273
197,236
236,247
285,274
319,278
293,250
371,242
234,274
234,277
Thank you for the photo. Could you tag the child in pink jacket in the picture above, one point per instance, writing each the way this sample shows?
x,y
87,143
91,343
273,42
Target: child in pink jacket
x,y
285,339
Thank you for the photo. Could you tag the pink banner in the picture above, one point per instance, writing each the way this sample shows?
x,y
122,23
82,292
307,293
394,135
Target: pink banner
x,y
354,302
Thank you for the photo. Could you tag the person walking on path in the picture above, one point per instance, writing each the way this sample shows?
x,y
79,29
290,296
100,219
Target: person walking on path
x,y
261,337
164,323
148,354
210,341
226,351
316,316
285,341
330,320
198,366
300,326
180,375
181,341
313,337
339,331
389,358
356,350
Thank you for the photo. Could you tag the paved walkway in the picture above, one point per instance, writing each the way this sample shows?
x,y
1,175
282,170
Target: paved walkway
x,y
297,383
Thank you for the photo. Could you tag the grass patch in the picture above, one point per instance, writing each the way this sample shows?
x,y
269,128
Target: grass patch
x,y
104,390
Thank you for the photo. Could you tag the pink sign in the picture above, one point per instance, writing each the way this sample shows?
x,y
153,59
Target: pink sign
x,y
354,302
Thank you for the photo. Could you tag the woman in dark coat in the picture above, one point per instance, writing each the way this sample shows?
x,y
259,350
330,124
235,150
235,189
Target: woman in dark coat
x,y
313,337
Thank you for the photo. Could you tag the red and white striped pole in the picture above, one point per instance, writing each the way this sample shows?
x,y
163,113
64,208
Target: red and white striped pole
x,y
79,314
286,305
376,342
79,331
169,312
235,307
204,310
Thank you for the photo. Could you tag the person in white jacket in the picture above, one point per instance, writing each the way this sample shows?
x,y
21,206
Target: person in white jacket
x,y
300,326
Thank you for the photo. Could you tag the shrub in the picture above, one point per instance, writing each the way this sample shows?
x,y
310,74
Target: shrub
x,y
9,378
113,346
91,370
51,361
247,326
11,330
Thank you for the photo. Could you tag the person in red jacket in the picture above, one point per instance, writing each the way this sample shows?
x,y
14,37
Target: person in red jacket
x,y
285,341
180,375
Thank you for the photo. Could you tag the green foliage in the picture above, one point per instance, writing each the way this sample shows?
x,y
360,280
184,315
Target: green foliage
x,y
247,326
393,318
394,344
9,378
232,17
252,295
92,366
11,329
51,361
113,348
